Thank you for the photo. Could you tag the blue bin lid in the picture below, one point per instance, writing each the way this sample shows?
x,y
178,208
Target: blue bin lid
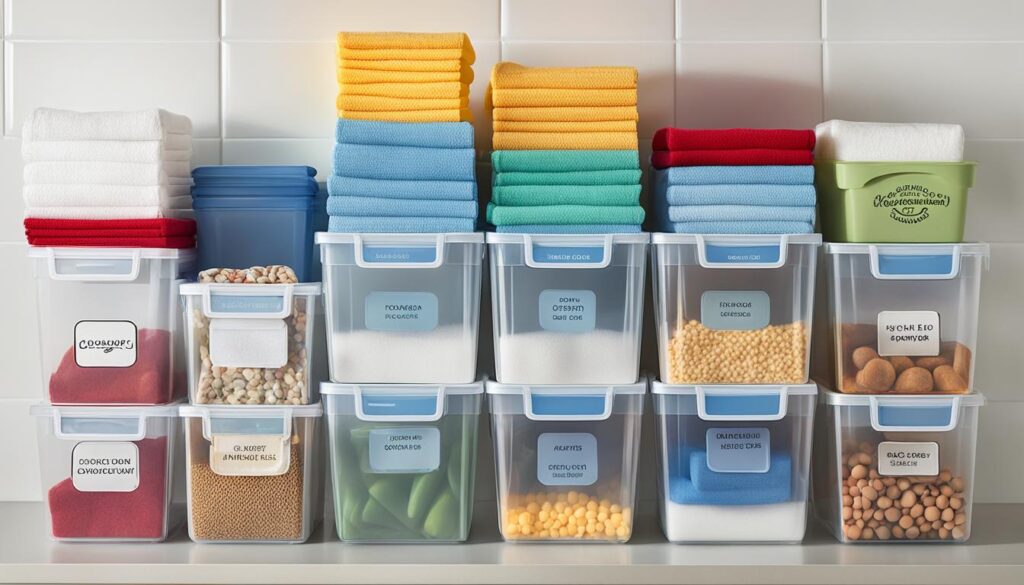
x,y
295,203
202,190
249,171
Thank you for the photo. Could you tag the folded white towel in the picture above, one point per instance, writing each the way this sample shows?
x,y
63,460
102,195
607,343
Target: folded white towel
x,y
871,141
107,173
101,195
174,147
181,207
51,124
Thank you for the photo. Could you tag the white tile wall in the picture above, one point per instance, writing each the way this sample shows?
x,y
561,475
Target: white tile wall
x,y
257,78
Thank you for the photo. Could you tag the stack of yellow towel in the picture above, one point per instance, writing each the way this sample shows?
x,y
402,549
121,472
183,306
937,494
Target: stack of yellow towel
x,y
565,154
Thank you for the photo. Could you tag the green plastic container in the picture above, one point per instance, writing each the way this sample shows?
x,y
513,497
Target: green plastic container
x,y
893,202
403,460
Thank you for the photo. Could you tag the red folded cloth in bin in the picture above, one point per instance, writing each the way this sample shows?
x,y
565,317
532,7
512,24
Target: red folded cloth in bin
x,y
732,139
179,242
137,233
746,157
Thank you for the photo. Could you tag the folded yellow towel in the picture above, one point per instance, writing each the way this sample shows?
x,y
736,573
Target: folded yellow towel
x,y
595,114
446,115
346,55
371,103
402,40
442,90
564,141
353,76
574,126
504,98
512,75
404,65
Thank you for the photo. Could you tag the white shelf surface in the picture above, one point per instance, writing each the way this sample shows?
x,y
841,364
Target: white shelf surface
x,y
994,555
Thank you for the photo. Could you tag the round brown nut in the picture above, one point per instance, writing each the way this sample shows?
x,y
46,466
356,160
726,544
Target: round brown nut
x,y
862,355
947,380
931,363
878,375
901,363
915,380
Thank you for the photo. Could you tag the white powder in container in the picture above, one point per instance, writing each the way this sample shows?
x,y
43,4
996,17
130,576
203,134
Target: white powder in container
x,y
544,357
783,522
446,355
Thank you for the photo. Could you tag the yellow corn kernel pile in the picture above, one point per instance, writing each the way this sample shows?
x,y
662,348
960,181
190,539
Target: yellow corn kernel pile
x,y
562,515
775,354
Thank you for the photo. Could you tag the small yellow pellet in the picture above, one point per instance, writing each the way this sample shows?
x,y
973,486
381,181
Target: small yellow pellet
x,y
572,515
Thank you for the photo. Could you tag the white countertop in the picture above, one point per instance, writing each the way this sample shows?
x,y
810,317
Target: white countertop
x,y
994,555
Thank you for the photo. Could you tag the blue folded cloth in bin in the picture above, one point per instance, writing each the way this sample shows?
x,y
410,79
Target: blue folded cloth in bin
x,y
420,225
748,195
396,189
682,491
739,175
426,135
714,213
569,229
702,486
407,163
381,207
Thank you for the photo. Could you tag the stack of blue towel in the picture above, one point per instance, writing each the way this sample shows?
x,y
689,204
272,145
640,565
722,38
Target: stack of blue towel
x,y
692,483
403,177
769,199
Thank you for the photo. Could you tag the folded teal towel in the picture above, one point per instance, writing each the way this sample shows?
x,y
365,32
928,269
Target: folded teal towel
x,y
685,213
760,195
380,207
598,228
406,163
564,215
561,161
400,225
527,195
394,189
741,175
429,134
739,227
615,177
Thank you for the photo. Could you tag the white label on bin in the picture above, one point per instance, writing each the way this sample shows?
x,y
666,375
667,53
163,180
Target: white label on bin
x,y
895,459
105,467
739,450
910,333
405,450
250,455
735,310
401,311
566,459
248,343
569,311
106,344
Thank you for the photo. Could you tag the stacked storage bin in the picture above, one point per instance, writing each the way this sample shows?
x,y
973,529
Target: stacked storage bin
x,y
101,190
899,426
402,276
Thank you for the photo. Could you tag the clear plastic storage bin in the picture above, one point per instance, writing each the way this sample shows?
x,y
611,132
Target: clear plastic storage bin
x,y
734,309
568,309
735,461
403,460
402,308
252,343
253,474
566,460
903,318
108,471
896,468
109,323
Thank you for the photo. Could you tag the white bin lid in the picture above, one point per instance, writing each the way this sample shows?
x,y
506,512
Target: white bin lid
x,y
963,249
147,253
765,402
96,422
253,411
736,239
396,402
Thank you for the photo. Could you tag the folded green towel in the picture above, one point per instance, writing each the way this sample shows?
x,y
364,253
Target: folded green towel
x,y
531,195
615,177
560,161
564,214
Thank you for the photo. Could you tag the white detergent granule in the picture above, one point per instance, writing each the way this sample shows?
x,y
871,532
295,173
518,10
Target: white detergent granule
x,y
783,522
595,357
446,355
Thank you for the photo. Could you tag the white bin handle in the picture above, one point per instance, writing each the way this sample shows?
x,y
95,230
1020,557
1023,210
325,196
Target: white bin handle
x,y
398,251
58,428
99,266
751,257
567,251
244,301
401,405
914,413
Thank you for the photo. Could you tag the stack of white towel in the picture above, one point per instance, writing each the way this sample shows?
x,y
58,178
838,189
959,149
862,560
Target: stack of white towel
x,y
107,165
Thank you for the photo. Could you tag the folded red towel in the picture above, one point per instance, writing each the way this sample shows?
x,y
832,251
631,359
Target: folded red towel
x,y
115,242
754,156
732,139
147,227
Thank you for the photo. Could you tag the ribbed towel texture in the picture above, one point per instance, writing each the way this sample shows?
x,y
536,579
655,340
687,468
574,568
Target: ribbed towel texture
x,y
871,141
48,124
561,161
597,228
142,233
528,195
346,224
398,189
564,214
383,207
426,135
733,181
406,163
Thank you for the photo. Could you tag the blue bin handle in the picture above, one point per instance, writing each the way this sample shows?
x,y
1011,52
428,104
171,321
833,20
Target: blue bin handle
x,y
746,252
398,250
918,262
421,404
734,403
914,414
567,251
567,404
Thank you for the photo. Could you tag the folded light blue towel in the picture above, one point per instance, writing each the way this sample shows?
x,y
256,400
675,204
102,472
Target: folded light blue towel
x,y
406,163
380,207
738,227
428,135
685,213
569,229
414,225
741,175
779,474
760,195
395,189
683,491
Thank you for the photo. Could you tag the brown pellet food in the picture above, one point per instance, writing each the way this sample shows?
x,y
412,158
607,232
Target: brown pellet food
x,y
776,354
248,507
863,371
